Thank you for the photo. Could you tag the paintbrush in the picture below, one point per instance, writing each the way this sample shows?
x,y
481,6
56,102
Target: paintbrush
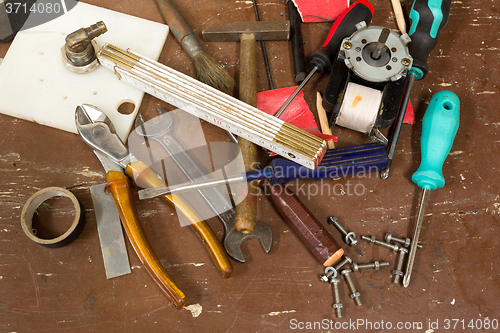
x,y
207,69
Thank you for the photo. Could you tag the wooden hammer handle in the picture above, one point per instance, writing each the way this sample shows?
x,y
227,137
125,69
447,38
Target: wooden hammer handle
x,y
246,210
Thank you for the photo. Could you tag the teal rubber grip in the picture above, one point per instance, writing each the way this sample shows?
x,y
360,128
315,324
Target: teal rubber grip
x,y
428,18
439,127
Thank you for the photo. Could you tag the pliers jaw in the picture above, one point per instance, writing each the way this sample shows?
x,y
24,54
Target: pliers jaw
x,y
97,130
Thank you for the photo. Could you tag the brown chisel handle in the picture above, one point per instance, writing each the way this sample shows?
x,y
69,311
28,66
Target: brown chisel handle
x,y
145,177
118,186
246,210
180,28
317,239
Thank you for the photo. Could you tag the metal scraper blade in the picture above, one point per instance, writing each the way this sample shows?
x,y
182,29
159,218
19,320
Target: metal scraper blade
x,y
114,251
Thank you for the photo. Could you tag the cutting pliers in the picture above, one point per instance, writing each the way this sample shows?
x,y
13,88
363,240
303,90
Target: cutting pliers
x,y
97,130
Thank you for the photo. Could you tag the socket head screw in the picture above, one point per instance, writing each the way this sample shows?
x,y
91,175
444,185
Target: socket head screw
x,y
354,293
354,267
336,294
345,271
349,237
398,272
330,273
406,242
369,239
341,264
396,248
372,240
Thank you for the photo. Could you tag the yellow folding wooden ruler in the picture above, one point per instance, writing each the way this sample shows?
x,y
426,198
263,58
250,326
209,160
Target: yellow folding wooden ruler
x,y
214,106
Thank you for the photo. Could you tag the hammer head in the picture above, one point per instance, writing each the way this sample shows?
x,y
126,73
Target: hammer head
x,y
262,30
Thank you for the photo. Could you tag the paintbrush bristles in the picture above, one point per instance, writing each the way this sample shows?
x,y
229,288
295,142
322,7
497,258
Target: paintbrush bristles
x,y
212,73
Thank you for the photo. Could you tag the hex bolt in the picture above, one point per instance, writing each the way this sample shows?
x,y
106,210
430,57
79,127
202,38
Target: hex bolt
x,y
372,240
336,294
349,237
330,273
354,293
405,241
398,272
374,265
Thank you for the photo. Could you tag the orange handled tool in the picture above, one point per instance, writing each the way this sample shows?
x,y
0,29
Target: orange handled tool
x,y
96,130
118,186
145,177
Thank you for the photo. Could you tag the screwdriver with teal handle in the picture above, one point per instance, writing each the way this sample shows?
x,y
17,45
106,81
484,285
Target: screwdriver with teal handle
x,y
428,18
439,127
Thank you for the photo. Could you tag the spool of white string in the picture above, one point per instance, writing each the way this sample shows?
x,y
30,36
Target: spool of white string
x,y
359,108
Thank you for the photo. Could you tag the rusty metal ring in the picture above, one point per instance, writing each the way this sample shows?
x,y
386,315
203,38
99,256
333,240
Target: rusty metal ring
x,y
32,205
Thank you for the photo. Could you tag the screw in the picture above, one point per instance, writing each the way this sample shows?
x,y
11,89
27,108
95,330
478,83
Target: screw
x,y
375,265
337,305
372,240
398,272
350,237
406,242
405,62
341,264
347,45
330,273
354,293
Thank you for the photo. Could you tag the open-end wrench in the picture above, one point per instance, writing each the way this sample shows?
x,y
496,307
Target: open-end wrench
x,y
161,132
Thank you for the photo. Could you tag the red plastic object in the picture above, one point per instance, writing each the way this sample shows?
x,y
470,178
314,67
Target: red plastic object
x,y
320,11
297,113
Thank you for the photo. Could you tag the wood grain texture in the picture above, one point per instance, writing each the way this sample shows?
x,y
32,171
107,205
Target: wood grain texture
x,y
53,290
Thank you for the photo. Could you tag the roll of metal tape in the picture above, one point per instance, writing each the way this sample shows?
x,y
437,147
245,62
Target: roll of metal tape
x,y
32,205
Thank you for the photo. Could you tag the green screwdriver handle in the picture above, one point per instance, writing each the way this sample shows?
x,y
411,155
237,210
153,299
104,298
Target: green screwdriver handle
x,y
439,127
428,18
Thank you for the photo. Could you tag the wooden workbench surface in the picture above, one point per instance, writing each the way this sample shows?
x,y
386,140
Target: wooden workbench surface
x,y
456,278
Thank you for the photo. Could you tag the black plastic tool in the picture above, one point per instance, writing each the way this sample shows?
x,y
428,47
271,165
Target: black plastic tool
x,y
299,58
428,18
344,26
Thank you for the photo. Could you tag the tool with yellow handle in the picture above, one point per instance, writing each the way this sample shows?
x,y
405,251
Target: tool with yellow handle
x,y
145,177
96,130
118,186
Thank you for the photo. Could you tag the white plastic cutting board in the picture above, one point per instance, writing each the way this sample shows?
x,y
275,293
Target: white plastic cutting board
x,y
35,85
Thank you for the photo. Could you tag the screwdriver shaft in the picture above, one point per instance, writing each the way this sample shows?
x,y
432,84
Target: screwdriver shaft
x,y
416,234
397,127
296,92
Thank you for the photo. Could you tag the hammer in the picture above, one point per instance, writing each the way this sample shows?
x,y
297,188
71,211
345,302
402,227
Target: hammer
x,y
247,33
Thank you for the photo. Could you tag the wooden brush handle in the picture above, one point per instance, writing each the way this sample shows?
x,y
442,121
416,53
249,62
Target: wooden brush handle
x,y
180,28
119,188
145,177
316,238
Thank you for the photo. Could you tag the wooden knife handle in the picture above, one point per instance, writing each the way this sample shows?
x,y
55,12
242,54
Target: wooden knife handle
x,y
118,186
316,238
145,177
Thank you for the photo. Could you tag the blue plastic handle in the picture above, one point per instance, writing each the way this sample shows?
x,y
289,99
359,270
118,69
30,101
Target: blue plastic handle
x,y
439,127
